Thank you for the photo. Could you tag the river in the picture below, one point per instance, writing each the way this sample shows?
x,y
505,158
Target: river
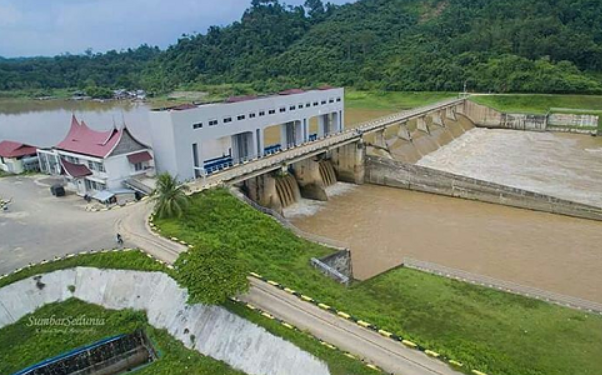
x,y
45,123
383,225
567,166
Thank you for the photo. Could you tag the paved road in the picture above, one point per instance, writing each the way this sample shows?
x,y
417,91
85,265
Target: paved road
x,y
364,343
40,226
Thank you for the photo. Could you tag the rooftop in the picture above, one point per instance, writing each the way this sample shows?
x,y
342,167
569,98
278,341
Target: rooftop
x,y
82,140
242,98
10,149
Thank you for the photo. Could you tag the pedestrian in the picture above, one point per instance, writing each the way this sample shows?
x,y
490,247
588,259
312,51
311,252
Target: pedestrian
x,y
119,239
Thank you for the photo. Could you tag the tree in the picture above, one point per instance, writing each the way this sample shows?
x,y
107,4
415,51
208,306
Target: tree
x,y
170,197
212,272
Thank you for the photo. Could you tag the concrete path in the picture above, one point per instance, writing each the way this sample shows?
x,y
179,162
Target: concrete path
x,y
39,226
389,355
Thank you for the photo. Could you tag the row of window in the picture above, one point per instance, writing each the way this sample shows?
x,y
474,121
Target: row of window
x,y
92,165
227,120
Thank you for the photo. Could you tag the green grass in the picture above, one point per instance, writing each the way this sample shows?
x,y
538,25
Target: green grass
x,y
22,344
186,359
338,363
128,260
491,331
542,104
24,95
539,104
392,100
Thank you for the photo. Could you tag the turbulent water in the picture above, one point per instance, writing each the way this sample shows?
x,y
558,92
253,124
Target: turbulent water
x,y
562,165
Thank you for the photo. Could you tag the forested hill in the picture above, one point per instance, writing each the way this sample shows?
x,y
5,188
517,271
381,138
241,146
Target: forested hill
x,y
491,45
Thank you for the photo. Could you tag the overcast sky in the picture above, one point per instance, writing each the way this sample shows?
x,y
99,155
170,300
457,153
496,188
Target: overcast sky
x,y
51,27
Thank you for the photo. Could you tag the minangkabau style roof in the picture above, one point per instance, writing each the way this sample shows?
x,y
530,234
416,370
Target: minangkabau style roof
x,y
82,140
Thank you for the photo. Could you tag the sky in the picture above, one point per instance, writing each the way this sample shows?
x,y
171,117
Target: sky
x,y
51,27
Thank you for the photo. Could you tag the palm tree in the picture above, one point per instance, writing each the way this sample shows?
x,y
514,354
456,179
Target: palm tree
x,y
170,197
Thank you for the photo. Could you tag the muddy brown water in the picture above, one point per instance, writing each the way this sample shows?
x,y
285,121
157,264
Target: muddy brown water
x,y
383,225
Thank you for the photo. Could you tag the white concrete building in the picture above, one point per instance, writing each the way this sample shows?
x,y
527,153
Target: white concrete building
x,y
190,140
17,157
99,161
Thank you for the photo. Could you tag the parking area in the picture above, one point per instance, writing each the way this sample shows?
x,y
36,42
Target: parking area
x,y
39,226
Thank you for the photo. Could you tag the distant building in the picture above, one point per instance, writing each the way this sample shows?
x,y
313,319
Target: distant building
x,y
98,161
17,157
192,140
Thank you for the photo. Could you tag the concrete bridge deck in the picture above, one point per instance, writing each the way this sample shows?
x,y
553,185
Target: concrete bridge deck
x,y
259,166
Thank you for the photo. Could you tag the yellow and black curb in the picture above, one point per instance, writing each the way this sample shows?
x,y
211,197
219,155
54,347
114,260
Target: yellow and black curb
x,y
343,315
328,345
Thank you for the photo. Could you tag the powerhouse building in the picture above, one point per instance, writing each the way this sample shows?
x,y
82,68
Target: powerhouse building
x,y
193,140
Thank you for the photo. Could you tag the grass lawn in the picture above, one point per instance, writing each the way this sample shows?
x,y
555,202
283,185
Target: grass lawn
x,y
173,350
494,332
539,104
22,345
392,100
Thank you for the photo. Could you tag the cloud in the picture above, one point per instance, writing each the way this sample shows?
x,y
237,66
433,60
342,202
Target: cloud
x,y
40,27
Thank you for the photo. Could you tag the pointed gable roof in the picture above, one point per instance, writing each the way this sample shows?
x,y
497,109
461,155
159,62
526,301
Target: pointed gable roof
x,y
10,149
81,139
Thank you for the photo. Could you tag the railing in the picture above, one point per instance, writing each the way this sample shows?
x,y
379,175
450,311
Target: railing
x,y
507,286
338,245
245,166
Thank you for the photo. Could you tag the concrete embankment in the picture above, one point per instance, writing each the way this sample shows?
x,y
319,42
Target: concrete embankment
x,y
484,116
412,177
211,330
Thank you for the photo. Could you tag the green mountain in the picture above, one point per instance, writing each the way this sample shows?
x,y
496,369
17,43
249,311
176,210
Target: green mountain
x,y
489,45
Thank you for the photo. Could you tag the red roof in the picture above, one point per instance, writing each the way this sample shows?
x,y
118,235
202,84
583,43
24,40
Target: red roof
x,y
237,99
74,170
291,92
140,157
83,140
10,149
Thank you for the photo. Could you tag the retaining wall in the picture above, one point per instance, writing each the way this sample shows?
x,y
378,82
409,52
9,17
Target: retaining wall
x,y
337,266
559,122
412,177
218,333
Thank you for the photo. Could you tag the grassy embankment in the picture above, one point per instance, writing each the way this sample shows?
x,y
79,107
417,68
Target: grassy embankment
x,y
392,100
541,104
22,345
29,347
493,332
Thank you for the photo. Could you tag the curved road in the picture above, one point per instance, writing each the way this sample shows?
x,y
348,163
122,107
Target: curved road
x,y
389,355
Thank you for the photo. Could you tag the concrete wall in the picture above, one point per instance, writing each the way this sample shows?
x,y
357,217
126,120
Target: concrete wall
x,y
407,176
488,117
337,266
348,162
307,173
173,133
218,333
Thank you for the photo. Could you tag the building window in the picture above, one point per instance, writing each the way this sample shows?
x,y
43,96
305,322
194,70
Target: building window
x,y
300,106
138,167
72,159
227,120
272,111
197,125
96,166
315,104
338,100
283,109
212,122
93,185
261,113
240,117
307,105
331,100
323,102
292,108
251,115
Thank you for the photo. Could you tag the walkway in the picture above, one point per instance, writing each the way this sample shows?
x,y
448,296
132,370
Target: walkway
x,y
389,355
